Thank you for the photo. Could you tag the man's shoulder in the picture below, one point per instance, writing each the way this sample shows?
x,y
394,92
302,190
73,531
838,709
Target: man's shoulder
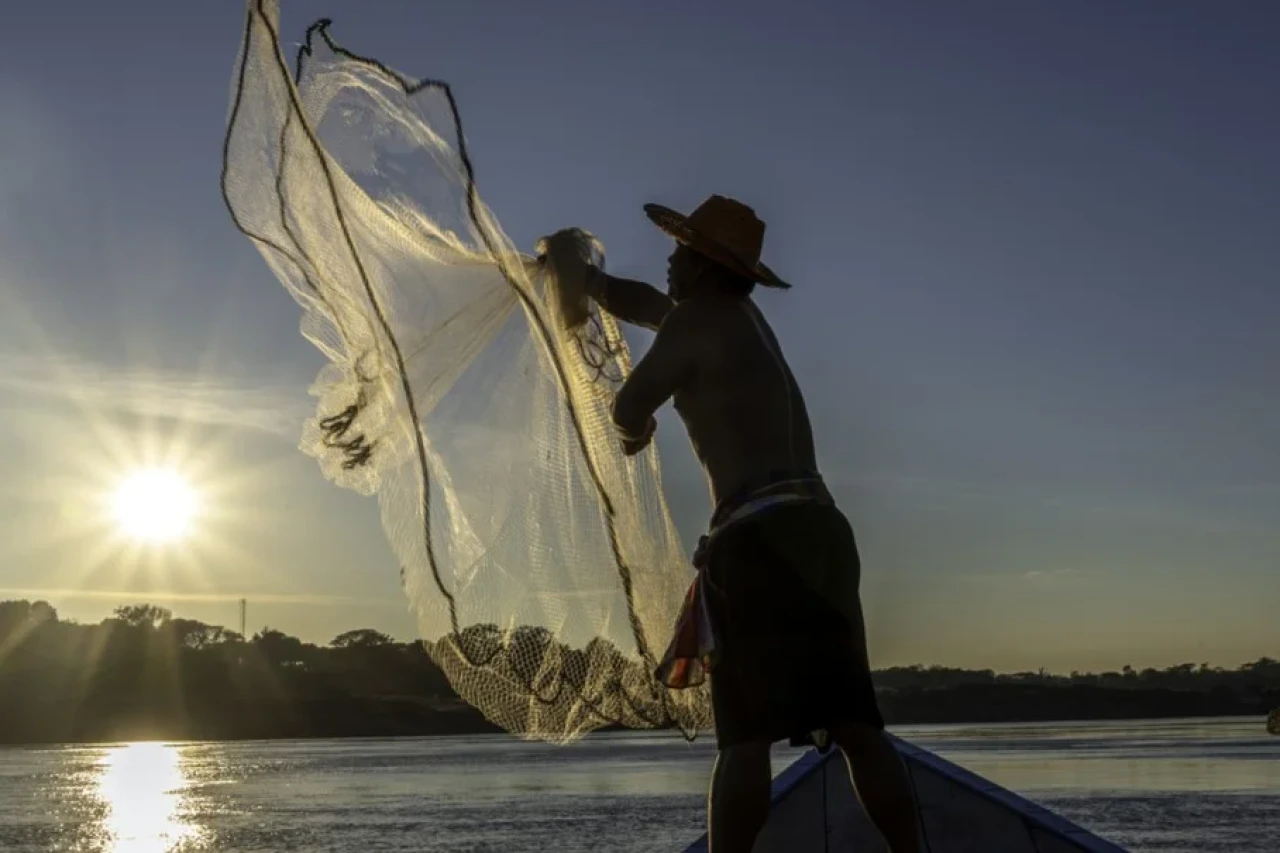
x,y
701,321
697,310
684,316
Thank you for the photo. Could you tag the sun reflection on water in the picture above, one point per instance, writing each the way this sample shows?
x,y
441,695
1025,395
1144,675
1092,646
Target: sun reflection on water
x,y
142,787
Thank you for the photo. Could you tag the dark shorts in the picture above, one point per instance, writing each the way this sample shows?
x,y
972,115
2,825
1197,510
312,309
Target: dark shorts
x,y
790,661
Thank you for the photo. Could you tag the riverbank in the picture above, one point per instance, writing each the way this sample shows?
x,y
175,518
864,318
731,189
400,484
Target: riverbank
x,y
235,718
147,675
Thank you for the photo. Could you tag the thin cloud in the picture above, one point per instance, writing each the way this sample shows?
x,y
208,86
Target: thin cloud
x,y
1049,573
1192,509
184,397
1257,489
1015,577
196,597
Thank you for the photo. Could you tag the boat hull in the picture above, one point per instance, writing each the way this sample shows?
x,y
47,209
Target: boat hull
x,y
814,809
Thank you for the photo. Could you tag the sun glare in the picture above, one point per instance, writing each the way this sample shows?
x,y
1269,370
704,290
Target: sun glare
x,y
154,505
144,786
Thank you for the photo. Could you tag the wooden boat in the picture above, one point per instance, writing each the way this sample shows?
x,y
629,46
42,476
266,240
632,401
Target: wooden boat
x,y
815,811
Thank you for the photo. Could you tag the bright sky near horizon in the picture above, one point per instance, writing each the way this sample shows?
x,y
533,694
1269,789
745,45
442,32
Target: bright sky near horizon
x,y
1036,250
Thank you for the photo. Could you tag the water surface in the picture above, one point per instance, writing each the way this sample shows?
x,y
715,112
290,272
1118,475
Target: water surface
x,y
1152,786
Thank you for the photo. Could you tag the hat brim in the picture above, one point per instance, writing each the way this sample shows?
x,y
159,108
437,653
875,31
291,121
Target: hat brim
x,y
676,225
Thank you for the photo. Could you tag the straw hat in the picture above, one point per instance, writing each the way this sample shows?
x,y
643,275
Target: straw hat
x,y
723,229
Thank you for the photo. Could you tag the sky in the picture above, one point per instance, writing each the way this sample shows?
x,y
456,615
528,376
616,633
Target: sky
x,y
1034,247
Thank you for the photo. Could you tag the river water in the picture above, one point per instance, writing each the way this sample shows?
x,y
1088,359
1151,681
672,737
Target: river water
x,y
1169,786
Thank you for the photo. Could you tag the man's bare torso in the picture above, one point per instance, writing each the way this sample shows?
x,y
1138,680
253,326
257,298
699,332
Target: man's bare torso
x,y
720,361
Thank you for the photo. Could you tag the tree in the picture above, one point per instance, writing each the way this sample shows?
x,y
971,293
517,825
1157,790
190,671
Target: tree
x,y
361,638
42,612
279,648
25,615
142,615
193,634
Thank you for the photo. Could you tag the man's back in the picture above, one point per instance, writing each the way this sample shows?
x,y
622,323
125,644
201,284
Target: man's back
x,y
720,360
743,410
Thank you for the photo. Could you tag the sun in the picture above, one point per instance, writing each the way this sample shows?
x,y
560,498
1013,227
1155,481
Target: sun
x,y
154,505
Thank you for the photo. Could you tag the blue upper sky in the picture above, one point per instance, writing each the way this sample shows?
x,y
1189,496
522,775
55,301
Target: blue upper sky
x,y
1036,250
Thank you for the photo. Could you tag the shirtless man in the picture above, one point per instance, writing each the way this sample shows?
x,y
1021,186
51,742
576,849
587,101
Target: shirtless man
x,y
780,561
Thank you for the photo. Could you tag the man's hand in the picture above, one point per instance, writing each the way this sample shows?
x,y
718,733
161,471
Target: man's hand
x,y
631,446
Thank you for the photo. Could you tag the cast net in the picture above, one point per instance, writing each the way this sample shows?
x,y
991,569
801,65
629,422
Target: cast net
x,y
541,563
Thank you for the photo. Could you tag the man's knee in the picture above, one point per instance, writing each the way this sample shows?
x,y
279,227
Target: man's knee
x,y
855,737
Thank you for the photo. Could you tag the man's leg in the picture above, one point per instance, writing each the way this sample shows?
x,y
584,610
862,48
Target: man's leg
x,y
880,778
739,800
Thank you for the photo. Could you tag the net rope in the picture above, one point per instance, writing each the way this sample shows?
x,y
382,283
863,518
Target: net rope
x,y
541,563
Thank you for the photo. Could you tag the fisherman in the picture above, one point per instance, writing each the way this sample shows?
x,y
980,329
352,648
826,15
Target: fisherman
x,y
779,568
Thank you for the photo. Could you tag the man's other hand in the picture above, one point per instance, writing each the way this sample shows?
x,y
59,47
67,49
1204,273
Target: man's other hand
x,y
632,446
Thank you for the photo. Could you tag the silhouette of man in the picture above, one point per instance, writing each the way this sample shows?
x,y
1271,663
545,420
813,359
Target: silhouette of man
x,y
779,566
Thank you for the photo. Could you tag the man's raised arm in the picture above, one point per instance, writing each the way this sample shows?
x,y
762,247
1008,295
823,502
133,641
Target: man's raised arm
x,y
630,301
669,364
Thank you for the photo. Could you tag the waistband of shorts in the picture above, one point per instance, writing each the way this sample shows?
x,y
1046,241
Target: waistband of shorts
x,y
790,485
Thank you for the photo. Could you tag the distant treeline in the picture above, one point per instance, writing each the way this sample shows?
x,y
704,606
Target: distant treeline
x,y
144,673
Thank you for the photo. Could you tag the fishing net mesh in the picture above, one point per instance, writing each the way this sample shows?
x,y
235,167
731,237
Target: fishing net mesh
x,y
541,562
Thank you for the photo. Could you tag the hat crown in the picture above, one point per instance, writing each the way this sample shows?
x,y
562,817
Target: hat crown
x,y
723,229
732,224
